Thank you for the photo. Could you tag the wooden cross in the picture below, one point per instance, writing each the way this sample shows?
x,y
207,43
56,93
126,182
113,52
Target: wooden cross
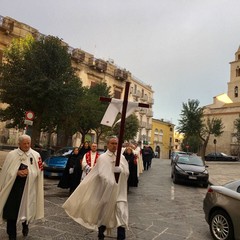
x,y
122,124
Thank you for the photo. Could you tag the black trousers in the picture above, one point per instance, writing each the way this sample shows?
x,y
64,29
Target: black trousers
x,y
12,227
120,232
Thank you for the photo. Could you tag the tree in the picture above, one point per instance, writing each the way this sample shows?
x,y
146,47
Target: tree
x,y
38,76
130,129
90,110
236,134
193,124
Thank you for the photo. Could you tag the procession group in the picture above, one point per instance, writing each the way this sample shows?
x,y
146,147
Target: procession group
x,y
98,187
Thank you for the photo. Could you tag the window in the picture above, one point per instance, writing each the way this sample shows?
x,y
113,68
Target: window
x,y
117,94
236,91
237,72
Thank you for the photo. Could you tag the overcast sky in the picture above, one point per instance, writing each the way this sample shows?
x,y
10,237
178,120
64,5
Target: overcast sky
x,y
182,48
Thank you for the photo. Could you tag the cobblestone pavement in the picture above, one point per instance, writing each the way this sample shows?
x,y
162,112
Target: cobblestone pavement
x,y
158,209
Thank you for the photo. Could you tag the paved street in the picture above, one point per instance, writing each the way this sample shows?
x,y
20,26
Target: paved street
x,y
158,209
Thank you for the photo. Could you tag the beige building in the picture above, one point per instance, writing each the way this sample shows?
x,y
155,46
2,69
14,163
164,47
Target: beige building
x,y
90,70
227,107
162,138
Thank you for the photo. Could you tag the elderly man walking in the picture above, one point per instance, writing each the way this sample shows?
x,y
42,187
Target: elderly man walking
x,y
21,188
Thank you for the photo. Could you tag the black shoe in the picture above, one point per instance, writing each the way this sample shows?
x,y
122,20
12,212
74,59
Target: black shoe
x,y
25,230
101,231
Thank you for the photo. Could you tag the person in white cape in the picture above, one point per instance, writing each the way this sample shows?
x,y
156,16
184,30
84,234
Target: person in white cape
x,y
21,187
99,203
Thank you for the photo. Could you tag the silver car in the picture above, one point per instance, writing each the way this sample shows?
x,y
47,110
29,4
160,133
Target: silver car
x,y
221,207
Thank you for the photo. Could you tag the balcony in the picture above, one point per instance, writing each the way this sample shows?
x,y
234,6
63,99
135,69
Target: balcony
x,y
6,24
120,74
97,64
78,55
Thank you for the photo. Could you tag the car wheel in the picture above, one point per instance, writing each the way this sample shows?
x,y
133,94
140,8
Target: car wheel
x,y
174,179
205,185
221,226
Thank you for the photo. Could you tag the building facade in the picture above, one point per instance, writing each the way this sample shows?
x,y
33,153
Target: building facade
x,y
91,71
226,107
162,138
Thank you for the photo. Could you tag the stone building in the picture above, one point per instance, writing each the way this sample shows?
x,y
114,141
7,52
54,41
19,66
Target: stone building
x,y
91,70
227,107
162,138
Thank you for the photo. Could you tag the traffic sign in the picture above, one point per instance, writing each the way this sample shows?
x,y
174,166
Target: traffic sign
x,y
29,115
28,122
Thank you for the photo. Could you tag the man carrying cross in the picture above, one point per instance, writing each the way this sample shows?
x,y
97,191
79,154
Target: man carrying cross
x,y
100,201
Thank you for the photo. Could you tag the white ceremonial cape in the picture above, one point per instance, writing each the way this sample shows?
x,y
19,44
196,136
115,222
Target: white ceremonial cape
x,y
99,200
32,204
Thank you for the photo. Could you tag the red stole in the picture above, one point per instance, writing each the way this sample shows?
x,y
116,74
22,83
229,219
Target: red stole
x,y
89,160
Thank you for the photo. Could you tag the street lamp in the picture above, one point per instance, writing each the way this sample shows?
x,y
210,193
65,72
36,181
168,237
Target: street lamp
x,y
215,143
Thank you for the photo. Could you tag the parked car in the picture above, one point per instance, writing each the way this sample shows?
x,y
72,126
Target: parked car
x,y
174,154
221,207
189,168
219,156
54,165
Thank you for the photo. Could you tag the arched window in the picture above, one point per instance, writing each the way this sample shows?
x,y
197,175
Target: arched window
x,y
236,91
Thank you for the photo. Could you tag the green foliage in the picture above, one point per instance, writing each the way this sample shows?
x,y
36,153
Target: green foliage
x,y
191,118
38,76
194,126
193,143
130,129
90,109
236,134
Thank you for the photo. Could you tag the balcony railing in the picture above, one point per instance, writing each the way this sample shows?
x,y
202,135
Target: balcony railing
x,y
120,74
98,64
6,24
78,55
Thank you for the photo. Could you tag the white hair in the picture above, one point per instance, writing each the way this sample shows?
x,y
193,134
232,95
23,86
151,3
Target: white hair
x,y
22,137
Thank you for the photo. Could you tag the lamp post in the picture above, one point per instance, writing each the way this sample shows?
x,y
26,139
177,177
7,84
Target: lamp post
x,y
215,143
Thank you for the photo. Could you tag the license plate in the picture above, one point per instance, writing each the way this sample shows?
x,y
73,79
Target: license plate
x,y
54,174
192,177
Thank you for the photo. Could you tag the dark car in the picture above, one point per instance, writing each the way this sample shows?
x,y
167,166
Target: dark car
x,y
54,165
221,207
174,154
191,169
219,156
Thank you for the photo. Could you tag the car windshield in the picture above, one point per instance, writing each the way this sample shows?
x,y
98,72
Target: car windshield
x,y
63,152
190,160
224,154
